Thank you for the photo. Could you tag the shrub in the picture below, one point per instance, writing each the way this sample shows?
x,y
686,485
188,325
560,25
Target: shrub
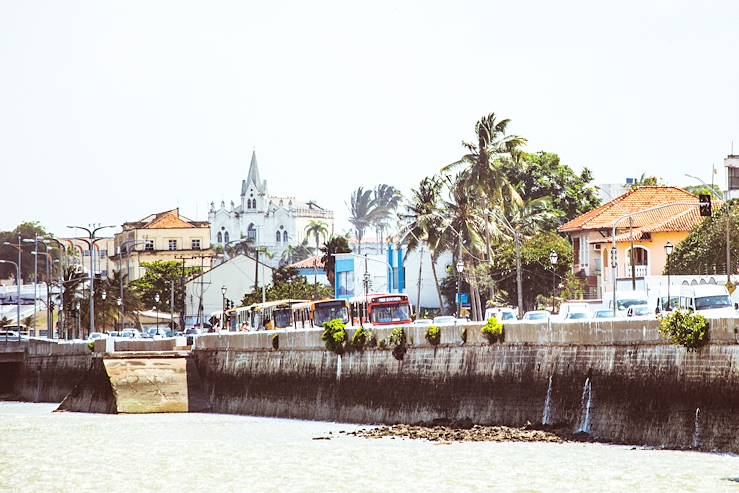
x,y
371,339
685,328
398,343
433,335
360,338
334,335
493,331
91,345
276,341
382,344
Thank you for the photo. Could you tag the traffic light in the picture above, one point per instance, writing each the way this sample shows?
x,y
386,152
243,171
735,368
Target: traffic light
x,y
705,204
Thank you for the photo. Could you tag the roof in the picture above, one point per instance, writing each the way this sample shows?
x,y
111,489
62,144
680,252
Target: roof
x,y
683,222
309,263
253,176
165,220
637,200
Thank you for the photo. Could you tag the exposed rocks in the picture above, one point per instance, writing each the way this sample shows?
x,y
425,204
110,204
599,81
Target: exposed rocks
x,y
468,433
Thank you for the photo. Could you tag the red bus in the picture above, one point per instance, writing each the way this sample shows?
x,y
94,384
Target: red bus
x,y
382,309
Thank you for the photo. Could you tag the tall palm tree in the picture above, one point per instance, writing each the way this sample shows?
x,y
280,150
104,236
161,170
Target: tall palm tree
x,y
336,244
361,213
426,225
387,198
317,229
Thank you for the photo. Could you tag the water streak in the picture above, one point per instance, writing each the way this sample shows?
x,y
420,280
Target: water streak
x,y
586,406
547,416
338,368
697,429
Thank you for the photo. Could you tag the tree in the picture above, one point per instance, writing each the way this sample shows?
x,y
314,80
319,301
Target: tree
x,y
704,250
336,244
645,181
317,229
293,254
26,230
386,201
704,189
158,280
361,213
73,279
287,283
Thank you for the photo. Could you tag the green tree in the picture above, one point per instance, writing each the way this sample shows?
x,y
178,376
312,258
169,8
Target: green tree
x,y
317,229
293,254
26,230
386,201
361,213
336,244
288,284
158,280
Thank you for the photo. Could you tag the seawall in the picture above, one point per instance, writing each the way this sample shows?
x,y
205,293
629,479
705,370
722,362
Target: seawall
x,y
618,381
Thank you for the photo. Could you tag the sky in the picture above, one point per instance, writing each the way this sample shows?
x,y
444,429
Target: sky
x,y
113,110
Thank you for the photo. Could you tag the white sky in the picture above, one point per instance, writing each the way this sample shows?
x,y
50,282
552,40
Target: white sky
x,y
111,110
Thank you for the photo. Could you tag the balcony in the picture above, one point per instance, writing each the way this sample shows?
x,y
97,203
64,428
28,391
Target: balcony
x,y
641,271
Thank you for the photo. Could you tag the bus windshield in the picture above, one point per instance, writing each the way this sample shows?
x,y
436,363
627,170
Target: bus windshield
x,y
326,313
625,304
709,302
387,314
283,318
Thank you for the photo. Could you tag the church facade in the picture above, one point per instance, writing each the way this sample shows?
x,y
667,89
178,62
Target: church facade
x,y
265,221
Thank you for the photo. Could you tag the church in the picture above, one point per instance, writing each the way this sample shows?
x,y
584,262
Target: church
x,y
266,221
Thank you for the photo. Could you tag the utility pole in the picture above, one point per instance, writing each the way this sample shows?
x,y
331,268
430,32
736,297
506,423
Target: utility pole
x,y
420,270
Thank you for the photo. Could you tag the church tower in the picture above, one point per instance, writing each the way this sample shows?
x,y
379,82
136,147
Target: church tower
x,y
253,189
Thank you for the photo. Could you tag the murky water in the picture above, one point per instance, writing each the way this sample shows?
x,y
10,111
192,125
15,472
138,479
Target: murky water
x,y
45,451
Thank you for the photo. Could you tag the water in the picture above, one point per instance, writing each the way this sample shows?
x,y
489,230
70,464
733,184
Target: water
x,y
43,451
697,429
586,406
546,417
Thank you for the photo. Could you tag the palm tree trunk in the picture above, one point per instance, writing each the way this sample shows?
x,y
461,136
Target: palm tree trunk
x,y
436,281
420,271
519,274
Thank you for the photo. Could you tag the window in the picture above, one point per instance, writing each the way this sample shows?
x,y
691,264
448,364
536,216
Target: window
x,y
345,283
103,253
251,233
196,244
172,244
149,246
220,237
86,253
225,237
278,237
284,236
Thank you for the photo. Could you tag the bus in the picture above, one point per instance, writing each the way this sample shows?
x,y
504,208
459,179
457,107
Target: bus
x,y
316,313
260,316
381,309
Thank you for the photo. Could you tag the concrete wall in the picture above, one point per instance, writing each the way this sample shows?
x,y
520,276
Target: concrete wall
x,y
641,389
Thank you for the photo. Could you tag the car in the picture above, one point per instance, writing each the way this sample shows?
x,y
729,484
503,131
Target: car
x,y
96,335
602,314
501,314
130,334
576,316
536,316
639,311
423,322
445,320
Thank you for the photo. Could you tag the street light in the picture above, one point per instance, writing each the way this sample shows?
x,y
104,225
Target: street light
x,y
223,306
79,320
460,269
18,294
668,251
119,302
553,260
156,307
103,295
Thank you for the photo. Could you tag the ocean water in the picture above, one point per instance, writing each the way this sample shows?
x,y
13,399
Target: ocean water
x,y
45,451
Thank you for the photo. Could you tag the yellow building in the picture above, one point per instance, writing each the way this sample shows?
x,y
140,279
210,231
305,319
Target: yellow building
x,y
641,235
165,236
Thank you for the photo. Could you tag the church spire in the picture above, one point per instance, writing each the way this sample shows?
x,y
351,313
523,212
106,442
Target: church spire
x,y
253,176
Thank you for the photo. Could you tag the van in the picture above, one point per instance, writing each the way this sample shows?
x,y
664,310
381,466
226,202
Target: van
x,y
625,299
501,314
709,300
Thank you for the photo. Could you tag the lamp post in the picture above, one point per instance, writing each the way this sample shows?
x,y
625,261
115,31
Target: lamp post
x,y
223,306
156,308
103,296
553,260
460,269
79,320
668,252
614,264
366,279
18,293
119,302
35,276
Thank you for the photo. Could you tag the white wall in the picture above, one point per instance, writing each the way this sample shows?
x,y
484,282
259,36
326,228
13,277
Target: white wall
x,y
429,296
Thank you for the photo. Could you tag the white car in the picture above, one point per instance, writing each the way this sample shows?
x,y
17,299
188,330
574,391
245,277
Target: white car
x,y
577,316
445,320
130,334
536,316
423,322
94,336
639,312
501,314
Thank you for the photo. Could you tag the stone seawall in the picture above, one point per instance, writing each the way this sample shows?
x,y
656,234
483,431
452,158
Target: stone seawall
x,y
617,381
50,371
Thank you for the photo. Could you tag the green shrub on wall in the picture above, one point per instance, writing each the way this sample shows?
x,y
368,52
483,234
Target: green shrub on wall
x,y
361,338
493,331
433,335
398,343
685,328
334,335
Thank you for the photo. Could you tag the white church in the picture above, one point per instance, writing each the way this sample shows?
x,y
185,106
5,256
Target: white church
x,y
264,220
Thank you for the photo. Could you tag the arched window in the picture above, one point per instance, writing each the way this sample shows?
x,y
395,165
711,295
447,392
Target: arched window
x,y
278,236
225,237
220,237
251,233
284,236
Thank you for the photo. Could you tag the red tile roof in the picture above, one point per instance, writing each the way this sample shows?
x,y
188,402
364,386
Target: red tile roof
x,y
683,221
309,263
637,200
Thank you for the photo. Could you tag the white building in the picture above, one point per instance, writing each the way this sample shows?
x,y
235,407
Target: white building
x,y
265,220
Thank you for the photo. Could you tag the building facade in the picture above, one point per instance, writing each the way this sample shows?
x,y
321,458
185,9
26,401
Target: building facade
x,y
265,221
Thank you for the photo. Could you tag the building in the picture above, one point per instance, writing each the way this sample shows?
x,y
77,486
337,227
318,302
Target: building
x,y
312,269
237,274
164,236
637,228
266,221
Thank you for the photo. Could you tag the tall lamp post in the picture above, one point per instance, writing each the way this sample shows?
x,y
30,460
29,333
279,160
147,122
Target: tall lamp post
x,y
460,269
366,279
79,319
18,294
103,296
119,302
223,307
156,308
553,260
668,252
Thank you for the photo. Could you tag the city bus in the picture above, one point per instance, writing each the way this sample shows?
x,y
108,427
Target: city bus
x,y
260,316
381,309
316,313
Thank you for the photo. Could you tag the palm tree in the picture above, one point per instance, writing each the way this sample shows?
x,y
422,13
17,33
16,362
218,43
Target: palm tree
x,y
293,254
387,198
318,229
72,278
427,224
336,244
361,213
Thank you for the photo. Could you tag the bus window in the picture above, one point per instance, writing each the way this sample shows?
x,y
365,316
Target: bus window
x,y
390,313
325,312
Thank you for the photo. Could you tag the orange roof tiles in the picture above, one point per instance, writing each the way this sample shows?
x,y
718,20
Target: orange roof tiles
x,y
309,263
637,200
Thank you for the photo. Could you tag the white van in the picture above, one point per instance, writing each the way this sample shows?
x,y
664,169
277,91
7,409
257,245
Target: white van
x,y
501,314
709,300
625,299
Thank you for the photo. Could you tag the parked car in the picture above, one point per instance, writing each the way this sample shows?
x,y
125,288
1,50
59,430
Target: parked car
x,y
130,334
501,314
603,314
423,322
536,316
570,307
626,299
96,335
577,316
639,312
445,320
709,300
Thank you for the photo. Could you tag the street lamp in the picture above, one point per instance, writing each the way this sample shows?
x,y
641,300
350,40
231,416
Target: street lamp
x,y
18,294
156,307
223,306
553,260
119,302
460,269
79,319
668,252
103,296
